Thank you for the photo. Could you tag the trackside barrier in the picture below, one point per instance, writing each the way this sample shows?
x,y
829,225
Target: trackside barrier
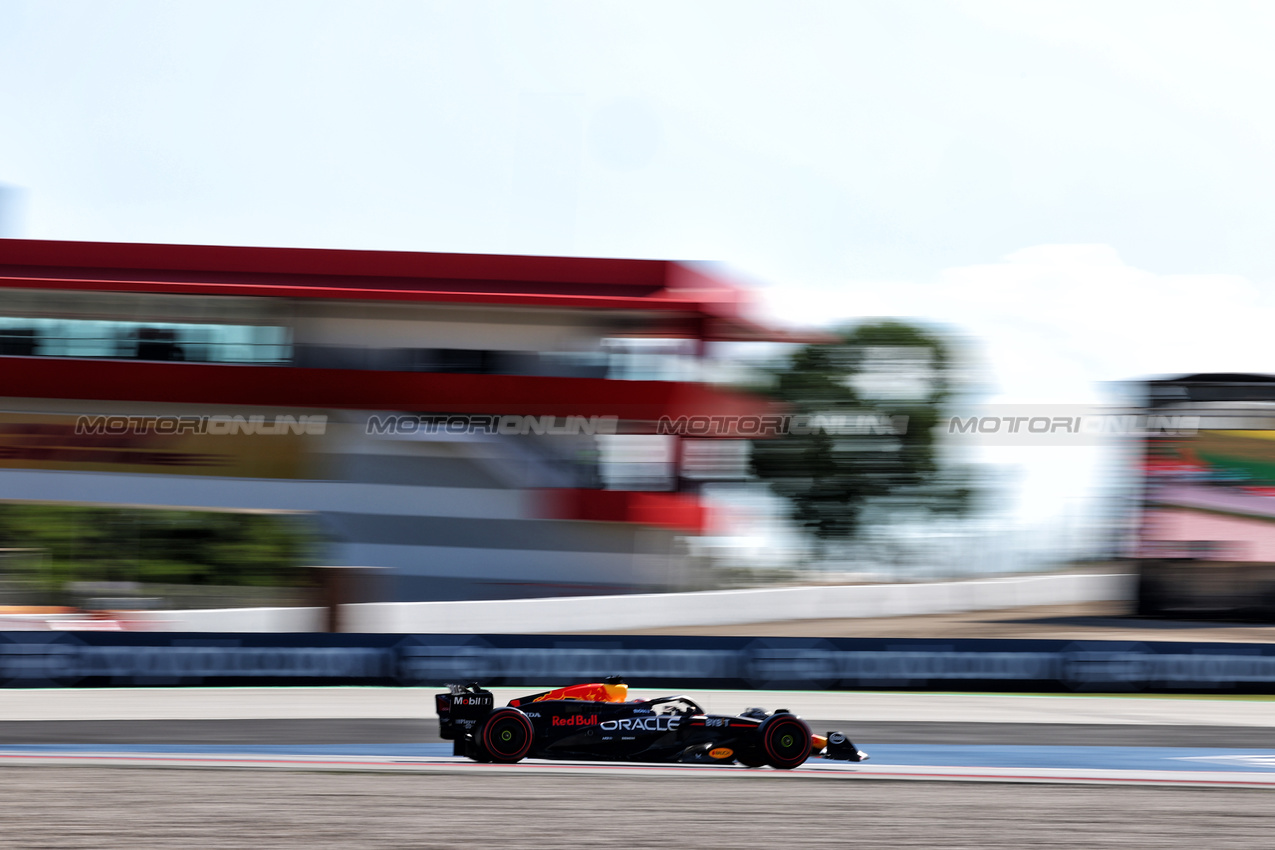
x,y
294,619
115,659
724,607
233,620
636,611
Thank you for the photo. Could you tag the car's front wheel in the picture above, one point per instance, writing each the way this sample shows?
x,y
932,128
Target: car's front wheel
x,y
785,741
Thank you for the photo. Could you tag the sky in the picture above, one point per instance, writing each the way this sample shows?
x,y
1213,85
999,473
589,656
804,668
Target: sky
x,y
1084,189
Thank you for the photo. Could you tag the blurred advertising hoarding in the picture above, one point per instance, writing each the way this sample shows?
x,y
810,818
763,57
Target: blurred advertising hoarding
x,y
1206,538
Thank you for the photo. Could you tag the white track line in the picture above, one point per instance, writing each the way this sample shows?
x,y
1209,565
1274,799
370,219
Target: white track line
x,y
809,771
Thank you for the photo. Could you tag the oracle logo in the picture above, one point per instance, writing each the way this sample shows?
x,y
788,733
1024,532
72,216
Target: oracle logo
x,y
661,723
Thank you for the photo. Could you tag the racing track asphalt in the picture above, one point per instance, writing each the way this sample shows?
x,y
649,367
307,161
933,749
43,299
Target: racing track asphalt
x,y
317,807
402,731
138,808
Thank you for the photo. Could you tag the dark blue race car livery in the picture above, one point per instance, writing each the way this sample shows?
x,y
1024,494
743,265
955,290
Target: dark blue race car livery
x,y
596,721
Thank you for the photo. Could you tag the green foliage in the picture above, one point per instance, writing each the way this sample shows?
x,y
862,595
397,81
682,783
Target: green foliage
x,y
888,369
172,547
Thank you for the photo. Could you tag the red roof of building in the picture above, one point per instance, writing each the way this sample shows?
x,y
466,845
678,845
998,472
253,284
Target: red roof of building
x,y
704,304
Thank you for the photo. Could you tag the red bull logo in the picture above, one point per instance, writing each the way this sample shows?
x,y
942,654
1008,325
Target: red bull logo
x,y
576,720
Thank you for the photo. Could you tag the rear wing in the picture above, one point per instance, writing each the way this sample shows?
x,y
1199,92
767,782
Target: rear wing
x,y
461,709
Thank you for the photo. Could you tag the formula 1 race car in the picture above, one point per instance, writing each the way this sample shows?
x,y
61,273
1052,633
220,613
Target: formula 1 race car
x,y
594,721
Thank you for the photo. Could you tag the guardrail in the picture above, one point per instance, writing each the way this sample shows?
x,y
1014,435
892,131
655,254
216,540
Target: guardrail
x,y
124,659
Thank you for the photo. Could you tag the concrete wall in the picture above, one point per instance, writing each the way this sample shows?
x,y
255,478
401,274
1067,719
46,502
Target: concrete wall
x,y
638,611
576,614
230,620
195,620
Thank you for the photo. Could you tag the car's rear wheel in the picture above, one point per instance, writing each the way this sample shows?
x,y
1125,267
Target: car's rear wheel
x,y
785,741
506,735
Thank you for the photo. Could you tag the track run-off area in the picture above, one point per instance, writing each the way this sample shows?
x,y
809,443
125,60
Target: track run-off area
x,y
970,737
363,767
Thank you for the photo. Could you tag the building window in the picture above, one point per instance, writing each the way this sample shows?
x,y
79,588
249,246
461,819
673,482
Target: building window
x,y
172,341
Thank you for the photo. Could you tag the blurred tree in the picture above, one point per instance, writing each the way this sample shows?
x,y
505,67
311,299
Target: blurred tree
x,y
863,385
170,547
